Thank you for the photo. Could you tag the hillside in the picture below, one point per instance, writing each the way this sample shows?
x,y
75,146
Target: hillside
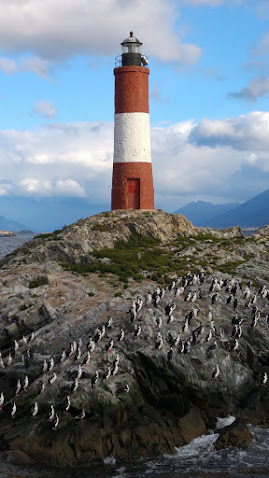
x,y
10,225
252,213
201,212
110,321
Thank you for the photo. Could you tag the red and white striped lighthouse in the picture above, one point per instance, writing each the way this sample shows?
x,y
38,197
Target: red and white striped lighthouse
x,y
132,182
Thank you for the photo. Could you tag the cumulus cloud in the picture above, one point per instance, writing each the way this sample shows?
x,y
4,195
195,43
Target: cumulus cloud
x,y
244,133
59,29
190,160
45,109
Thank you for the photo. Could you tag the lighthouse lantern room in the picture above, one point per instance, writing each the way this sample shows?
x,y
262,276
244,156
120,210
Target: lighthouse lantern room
x,y
132,182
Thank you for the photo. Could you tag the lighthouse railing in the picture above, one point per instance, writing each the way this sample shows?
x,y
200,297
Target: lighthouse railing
x,y
118,60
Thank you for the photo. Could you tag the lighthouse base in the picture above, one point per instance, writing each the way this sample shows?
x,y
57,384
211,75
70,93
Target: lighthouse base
x,y
132,186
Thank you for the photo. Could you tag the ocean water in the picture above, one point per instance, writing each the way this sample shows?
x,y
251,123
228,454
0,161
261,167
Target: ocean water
x,y
8,244
196,460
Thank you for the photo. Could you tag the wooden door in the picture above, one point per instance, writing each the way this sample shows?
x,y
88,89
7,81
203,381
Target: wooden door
x,y
133,192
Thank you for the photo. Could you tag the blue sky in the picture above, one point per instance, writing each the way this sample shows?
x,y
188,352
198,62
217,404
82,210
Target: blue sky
x,y
209,90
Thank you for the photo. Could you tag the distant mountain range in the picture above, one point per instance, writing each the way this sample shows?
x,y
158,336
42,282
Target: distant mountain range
x,y
200,213
9,225
252,213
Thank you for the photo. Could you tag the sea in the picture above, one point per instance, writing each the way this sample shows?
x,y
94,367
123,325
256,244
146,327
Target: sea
x,y
196,460
9,243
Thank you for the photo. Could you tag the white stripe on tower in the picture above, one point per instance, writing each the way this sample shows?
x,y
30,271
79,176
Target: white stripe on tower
x,y
132,138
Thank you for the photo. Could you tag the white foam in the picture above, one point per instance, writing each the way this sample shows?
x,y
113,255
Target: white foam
x,y
201,444
224,422
109,460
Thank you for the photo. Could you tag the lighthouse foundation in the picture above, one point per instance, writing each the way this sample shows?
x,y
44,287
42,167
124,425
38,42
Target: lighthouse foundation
x,y
132,186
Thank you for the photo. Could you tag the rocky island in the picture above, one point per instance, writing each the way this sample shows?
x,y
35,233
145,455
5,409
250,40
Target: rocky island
x,y
6,234
127,334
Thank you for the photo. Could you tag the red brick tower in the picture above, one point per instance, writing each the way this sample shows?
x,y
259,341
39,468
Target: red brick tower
x,y
132,182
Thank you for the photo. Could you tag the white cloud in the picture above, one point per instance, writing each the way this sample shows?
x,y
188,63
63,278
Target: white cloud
x,y
59,29
8,65
34,64
45,109
212,3
257,88
214,158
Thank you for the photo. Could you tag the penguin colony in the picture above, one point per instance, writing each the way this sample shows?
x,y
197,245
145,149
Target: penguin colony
x,y
174,327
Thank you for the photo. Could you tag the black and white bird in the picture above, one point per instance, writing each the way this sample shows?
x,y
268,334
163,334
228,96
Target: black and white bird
x,y
109,323
18,388
25,383
264,378
95,379
56,423
137,331
81,416
51,414
170,354
52,379
215,373
34,410
121,335
13,410
107,373
67,405
87,358
74,386
2,400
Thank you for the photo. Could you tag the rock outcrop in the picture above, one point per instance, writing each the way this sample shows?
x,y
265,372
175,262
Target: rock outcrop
x,y
211,360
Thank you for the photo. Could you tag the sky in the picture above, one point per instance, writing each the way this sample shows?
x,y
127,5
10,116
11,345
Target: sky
x,y
209,102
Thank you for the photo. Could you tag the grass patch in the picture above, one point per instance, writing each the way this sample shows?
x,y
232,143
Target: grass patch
x,y
91,294
38,282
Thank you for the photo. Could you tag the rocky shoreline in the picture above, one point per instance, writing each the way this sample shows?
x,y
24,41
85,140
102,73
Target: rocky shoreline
x,y
57,290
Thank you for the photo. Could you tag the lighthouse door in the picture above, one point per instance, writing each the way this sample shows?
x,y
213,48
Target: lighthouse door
x,y
133,193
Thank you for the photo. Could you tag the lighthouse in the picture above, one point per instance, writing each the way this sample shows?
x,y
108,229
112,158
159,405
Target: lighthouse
x,y
132,181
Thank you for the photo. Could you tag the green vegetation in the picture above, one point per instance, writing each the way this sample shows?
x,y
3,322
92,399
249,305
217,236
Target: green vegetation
x,y
38,282
91,294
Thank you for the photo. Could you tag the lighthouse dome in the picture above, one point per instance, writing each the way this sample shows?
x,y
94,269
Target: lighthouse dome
x,y
131,51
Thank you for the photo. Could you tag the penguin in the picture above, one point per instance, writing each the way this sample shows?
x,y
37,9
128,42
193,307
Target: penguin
x,y
79,372
81,416
9,360
97,336
109,323
2,400
215,373
91,346
51,414
137,331
107,373
52,379
126,388
51,364
67,405
78,355
264,378
121,335
87,359
214,298
41,387
13,410
170,354
63,357
18,388
34,411
45,366
56,423
159,343
25,383
115,368
109,346
74,386
94,379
